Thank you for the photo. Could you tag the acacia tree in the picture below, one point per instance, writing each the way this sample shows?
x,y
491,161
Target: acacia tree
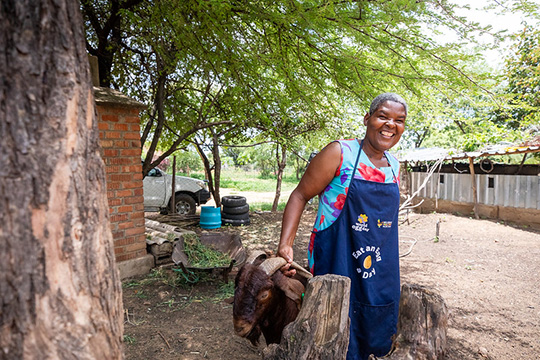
x,y
59,285
172,50
106,19
522,73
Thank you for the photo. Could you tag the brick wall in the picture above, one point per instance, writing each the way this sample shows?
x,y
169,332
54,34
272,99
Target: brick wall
x,y
119,134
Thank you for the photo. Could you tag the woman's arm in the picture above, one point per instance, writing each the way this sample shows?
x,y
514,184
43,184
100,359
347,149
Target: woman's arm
x,y
318,175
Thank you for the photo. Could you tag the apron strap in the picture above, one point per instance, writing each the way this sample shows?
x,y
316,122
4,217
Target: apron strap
x,y
357,159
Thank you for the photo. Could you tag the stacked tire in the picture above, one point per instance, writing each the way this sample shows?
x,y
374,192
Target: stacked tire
x,y
235,210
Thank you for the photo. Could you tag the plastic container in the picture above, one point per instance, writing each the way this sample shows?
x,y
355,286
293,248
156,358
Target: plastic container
x,y
210,217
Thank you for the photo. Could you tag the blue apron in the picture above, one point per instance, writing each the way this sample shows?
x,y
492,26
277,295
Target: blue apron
x,y
362,244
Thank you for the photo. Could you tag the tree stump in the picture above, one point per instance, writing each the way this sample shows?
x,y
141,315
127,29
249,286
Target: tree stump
x,y
321,330
422,325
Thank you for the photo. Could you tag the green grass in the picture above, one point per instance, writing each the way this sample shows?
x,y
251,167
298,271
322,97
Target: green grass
x,y
129,339
265,206
240,180
251,181
202,256
225,291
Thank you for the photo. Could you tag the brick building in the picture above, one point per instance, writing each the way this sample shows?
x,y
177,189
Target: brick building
x,y
119,134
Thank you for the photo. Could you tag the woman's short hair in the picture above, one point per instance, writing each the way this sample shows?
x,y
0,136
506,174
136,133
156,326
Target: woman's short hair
x,y
381,99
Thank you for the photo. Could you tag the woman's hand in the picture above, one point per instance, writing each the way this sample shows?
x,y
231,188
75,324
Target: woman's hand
x,y
286,252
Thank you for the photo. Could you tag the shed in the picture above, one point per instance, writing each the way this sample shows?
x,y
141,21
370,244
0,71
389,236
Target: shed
x,y
471,183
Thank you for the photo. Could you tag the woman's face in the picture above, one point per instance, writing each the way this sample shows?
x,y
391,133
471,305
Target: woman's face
x,y
385,125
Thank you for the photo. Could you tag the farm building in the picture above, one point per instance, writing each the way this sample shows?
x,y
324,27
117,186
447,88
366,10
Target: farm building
x,y
473,183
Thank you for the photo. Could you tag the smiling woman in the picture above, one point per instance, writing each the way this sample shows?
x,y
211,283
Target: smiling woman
x,y
357,184
385,125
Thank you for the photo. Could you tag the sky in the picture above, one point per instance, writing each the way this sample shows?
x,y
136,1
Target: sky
x,y
511,22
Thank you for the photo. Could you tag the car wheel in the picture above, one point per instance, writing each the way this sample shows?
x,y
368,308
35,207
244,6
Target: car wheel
x,y
242,209
233,201
185,204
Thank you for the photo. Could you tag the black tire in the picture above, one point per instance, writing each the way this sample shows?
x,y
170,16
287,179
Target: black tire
x,y
233,200
242,209
235,222
244,216
185,204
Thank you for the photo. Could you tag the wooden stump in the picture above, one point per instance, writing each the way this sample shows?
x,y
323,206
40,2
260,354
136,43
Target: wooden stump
x,y
321,330
422,325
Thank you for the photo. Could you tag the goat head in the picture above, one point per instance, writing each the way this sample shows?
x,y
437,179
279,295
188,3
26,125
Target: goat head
x,y
265,300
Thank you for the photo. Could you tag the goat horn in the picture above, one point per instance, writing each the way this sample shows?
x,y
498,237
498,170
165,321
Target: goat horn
x,y
301,270
269,266
255,255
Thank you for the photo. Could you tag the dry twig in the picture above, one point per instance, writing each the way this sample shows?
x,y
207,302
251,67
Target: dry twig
x,y
166,342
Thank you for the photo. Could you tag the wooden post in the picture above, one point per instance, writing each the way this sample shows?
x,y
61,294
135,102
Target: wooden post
x,y
321,330
422,326
408,178
473,181
94,69
173,185
522,162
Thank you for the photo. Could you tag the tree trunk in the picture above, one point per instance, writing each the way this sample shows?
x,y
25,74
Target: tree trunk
x,y
207,169
59,285
321,330
422,326
217,168
158,130
281,162
108,33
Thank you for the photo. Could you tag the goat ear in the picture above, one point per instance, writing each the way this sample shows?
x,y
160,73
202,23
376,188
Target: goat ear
x,y
292,288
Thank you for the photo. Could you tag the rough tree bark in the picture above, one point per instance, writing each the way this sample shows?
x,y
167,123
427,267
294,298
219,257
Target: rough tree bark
x,y
217,167
422,326
60,289
321,330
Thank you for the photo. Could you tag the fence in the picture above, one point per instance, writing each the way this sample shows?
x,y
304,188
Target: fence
x,y
517,191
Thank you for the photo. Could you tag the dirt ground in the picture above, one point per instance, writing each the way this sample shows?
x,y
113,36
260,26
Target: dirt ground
x,y
487,272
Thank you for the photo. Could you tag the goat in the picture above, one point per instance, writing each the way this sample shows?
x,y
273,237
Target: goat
x,y
265,300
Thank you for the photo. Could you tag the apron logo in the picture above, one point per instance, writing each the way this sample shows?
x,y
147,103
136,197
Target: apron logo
x,y
368,256
384,224
361,223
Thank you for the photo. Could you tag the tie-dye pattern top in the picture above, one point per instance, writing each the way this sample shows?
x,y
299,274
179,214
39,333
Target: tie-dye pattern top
x,y
332,199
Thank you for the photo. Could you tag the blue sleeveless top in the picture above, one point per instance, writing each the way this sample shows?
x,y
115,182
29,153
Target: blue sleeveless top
x,y
332,198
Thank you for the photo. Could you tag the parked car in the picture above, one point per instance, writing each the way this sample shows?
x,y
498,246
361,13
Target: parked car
x,y
189,192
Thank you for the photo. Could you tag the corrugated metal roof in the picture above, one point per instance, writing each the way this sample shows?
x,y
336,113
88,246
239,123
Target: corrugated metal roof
x,y
422,154
433,154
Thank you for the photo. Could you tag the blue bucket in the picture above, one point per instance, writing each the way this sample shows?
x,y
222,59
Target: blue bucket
x,y
210,217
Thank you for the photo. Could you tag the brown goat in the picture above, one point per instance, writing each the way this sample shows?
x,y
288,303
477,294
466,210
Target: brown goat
x,y
265,300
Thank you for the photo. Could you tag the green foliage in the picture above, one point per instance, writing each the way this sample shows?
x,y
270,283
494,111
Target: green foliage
x,y
199,176
130,284
188,161
265,159
202,256
522,73
129,339
225,291
284,63
299,74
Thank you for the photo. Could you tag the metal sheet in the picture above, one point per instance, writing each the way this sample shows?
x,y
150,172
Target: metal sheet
x,y
509,190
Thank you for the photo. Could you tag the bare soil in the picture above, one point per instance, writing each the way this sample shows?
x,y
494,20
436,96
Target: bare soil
x,y
487,272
